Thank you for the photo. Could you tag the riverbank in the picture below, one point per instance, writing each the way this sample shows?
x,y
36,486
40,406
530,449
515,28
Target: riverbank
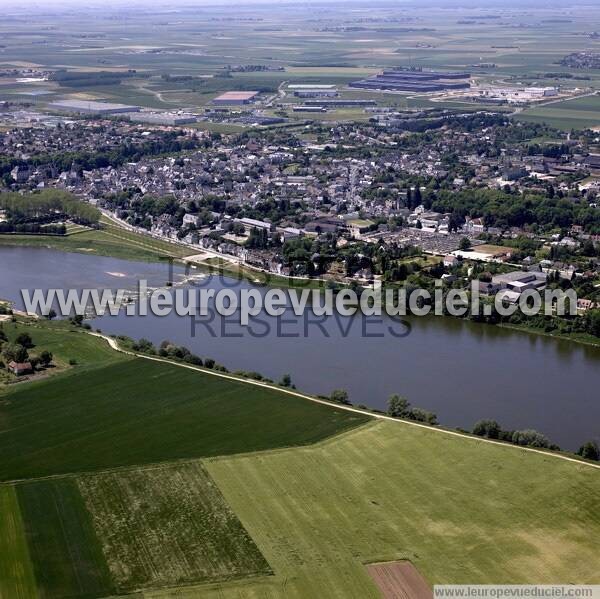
x,y
58,336
116,241
580,339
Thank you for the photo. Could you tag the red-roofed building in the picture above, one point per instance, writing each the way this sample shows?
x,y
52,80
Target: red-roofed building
x,y
20,368
234,98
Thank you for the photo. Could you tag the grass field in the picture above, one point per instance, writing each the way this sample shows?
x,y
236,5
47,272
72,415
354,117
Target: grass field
x,y
276,505
64,549
304,522
139,412
168,526
111,240
579,113
65,342
66,345
17,580
460,510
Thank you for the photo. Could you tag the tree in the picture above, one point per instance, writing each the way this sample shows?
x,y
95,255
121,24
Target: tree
x,y
25,340
2,336
417,196
590,451
286,380
12,352
340,396
398,406
422,416
530,438
51,314
144,345
464,244
193,359
77,320
46,358
487,428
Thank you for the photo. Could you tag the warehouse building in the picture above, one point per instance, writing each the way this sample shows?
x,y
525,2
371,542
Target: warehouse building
x,y
316,93
90,107
513,95
338,103
235,98
304,108
161,118
414,81
309,86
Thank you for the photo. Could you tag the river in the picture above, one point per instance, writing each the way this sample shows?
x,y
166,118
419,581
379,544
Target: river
x,y
460,370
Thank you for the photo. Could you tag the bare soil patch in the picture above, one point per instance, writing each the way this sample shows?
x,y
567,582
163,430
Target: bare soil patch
x,y
399,580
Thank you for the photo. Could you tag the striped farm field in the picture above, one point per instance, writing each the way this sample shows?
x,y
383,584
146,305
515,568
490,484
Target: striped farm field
x,y
168,526
65,552
118,532
135,476
578,113
460,510
16,571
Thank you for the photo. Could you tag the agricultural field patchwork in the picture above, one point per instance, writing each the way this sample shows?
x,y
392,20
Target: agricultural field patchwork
x,y
66,556
168,526
139,412
100,535
460,510
579,113
146,496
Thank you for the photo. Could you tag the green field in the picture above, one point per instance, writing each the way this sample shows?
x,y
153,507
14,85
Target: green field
x,y
111,240
67,558
579,113
139,412
65,342
168,526
16,571
169,481
95,536
66,345
463,511
303,522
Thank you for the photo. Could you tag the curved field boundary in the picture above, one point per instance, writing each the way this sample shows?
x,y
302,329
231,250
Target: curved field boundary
x,y
113,343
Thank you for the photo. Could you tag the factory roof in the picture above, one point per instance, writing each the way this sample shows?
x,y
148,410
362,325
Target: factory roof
x,y
234,95
90,105
310,86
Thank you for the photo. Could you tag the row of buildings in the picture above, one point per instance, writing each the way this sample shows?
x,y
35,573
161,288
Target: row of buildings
x,y
413,80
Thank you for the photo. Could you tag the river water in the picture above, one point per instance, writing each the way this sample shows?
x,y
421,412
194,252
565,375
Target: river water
x,y
460,370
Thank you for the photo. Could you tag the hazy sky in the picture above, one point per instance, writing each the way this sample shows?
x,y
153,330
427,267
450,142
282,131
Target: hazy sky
x,y
166,4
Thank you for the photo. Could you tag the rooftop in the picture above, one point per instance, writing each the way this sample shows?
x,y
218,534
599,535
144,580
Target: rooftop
x,y
90,106
236,96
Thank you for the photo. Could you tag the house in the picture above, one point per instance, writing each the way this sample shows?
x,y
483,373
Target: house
x,y
583,305
191,220
450,261
20,368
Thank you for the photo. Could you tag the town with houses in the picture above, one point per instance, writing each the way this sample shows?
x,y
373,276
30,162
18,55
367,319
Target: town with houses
x,y
338,201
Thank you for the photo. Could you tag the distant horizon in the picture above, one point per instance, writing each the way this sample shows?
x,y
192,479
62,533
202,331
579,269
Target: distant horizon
x,y
174,4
